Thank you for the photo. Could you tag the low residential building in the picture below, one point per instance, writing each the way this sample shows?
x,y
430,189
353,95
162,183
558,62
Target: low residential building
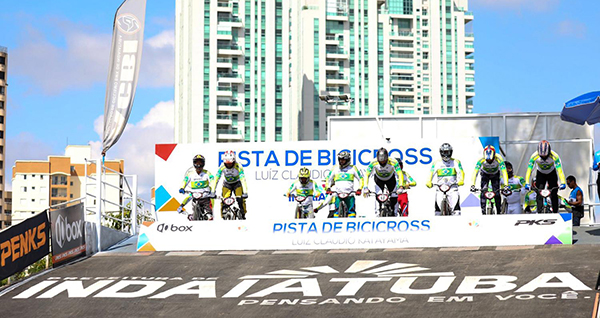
x,y
39,184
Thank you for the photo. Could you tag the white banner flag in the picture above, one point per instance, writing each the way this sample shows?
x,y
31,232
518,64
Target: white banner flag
x,y
124,66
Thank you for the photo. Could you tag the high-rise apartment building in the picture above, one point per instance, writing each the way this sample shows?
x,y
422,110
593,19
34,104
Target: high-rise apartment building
x,y
39,184
263,70
230,71
4,217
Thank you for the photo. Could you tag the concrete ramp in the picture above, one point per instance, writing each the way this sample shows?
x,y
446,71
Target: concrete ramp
x,y
526,281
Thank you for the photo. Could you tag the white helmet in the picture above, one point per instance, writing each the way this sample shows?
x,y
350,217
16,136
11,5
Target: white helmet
x,y
229,156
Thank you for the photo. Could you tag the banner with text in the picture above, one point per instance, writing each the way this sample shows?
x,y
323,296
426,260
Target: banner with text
x,y
360,233
270,169
68,233
23,244
124,67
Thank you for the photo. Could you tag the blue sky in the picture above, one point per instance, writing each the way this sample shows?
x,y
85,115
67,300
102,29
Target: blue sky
x,y
531,55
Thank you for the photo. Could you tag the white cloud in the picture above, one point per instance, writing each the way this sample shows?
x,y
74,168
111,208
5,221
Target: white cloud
x,y
24,146
571,28
136,145
518,5
81,60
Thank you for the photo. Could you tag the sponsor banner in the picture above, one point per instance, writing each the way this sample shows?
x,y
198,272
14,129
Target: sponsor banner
x,y
124,66
68,236
23,244
359,233
270,169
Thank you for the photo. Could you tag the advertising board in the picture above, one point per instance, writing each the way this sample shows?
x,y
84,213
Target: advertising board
x,y
270,169
357,233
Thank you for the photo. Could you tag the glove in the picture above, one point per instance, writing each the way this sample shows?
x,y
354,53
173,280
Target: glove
x,y
316,210
527,187
473,189
562,186
181,191
358,192
328,191
180,209
506,188
429,184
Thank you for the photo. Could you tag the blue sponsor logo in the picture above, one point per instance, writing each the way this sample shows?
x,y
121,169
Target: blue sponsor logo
x,y
378,226
325,157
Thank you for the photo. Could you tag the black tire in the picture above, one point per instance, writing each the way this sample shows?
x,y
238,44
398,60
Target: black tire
x,y
197,211
388,211
445,207
343,210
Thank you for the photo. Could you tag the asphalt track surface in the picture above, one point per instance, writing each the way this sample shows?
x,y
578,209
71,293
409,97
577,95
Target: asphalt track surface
x,y
318,284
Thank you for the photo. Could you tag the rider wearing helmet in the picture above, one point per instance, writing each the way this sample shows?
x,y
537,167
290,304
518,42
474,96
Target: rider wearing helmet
x,y
549,171
388,173
235,180
343,177
199,179
515,183
490,166
449,171
305,186
408,182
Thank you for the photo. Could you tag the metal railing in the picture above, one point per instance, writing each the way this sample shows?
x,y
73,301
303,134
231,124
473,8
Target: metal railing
x,y
229,47
337,14
123,210
396,44
401,33
340,51
402,89
402,78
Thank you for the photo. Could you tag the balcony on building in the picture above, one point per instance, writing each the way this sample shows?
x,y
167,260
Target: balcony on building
x,y
224,6
232,106
224,91
334,39
403,101
470,91
469,68
401,57
469,47
399,79
224,62
401,35
338,106
401,67
224,34
224,119
468,16
229,49
402,90
227,134
337,79
232,78
230,20
336,53
406,46
470,58
337,14
335,90
469,37
337,66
